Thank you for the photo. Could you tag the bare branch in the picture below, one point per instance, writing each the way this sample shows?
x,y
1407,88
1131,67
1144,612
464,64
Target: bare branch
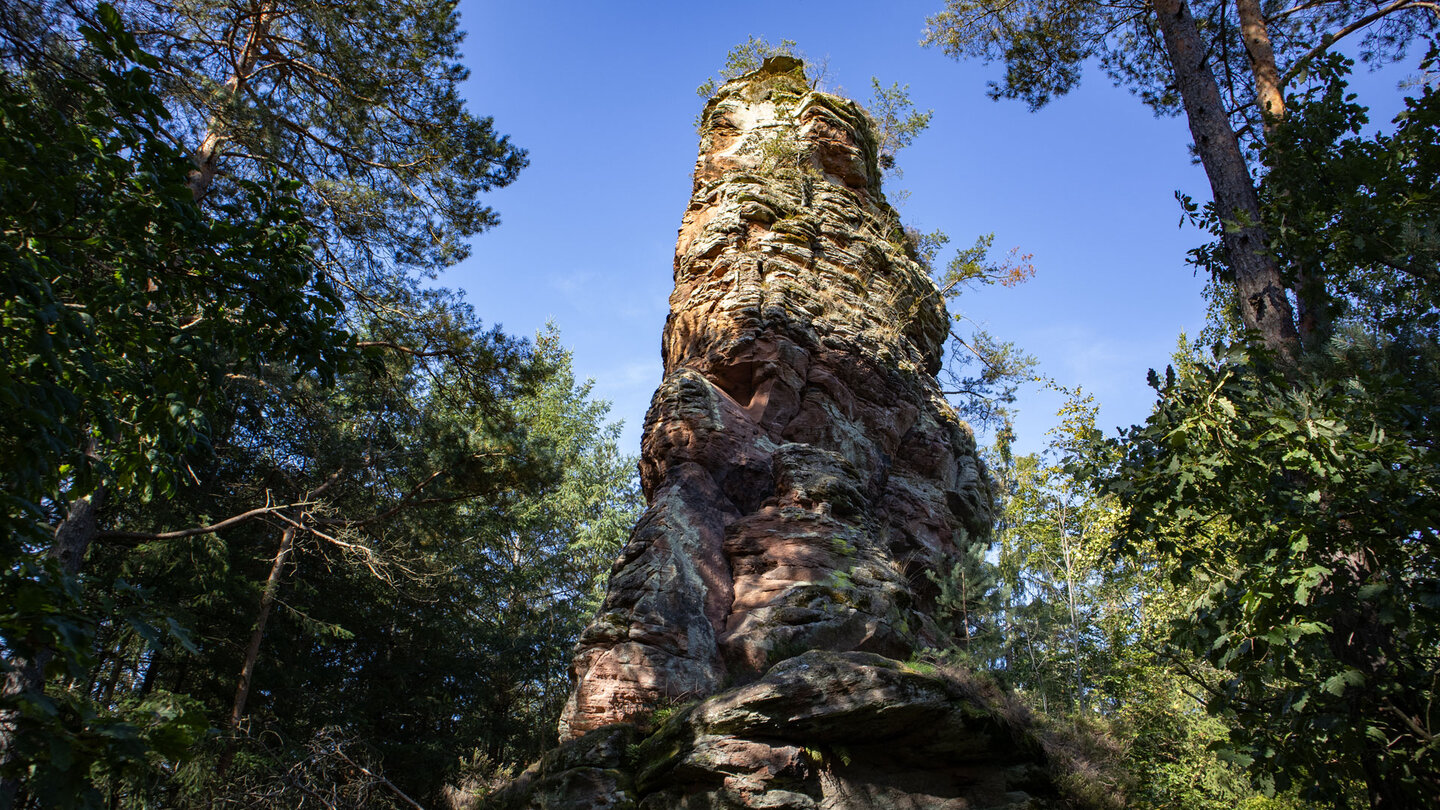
x,y
1280,15
146,537
377,777
1409,721
1331,39
385,344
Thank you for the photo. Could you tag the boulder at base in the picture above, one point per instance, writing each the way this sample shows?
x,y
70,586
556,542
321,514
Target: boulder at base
x,y
824,731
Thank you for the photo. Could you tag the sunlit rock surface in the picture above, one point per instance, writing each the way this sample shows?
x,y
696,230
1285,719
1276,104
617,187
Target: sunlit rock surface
x,y
806,480
803,471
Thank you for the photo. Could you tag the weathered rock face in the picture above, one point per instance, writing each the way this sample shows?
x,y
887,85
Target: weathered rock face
x,y
821,731
803,471
804,475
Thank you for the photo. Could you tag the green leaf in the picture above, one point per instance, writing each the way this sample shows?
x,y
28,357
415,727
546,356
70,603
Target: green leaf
x,y
1337,684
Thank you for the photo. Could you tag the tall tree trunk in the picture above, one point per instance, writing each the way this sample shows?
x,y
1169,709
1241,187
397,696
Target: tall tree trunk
x,y
257,635
267,601
1071,600
1264,305
1261,54
1359,639
207,154
1312,309
72,539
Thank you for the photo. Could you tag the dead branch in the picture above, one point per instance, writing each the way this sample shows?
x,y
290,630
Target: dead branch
x,y
235,520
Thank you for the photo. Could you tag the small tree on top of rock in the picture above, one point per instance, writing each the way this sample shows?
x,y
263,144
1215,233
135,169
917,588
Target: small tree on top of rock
x,y
897,122
750,55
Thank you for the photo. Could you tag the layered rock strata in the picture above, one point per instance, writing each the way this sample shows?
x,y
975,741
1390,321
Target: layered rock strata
x,y
823,731
806,479
807,484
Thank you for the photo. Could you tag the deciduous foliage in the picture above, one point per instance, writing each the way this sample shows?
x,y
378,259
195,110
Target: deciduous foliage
x,y
1286,568
1313,488
1083,637
126,306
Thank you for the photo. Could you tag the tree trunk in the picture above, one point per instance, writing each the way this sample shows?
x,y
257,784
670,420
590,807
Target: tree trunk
x,y
79,529
1264,305
1261,54
267,600
72,539
252,650
1312,319
147,683
207,154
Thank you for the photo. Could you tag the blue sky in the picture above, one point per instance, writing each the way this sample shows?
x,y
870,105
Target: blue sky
x,y
603,97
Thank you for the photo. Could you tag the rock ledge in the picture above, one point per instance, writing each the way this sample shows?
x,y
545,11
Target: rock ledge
x,y
820,731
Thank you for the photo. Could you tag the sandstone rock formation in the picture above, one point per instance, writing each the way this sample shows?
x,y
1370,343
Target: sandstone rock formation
x,y
803,471
806,482
821,731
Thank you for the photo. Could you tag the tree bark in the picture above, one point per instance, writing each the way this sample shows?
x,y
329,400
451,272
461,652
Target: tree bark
x,y
79,529
72,539
1264,305
1268,90
267,601
252,650
207,154
1311,298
